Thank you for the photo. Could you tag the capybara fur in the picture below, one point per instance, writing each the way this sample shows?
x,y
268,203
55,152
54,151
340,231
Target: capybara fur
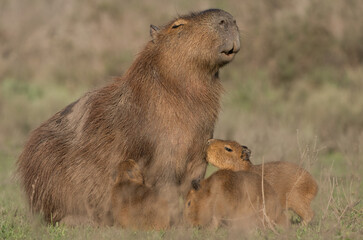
x,y
233,199
294,185
135,205
160,113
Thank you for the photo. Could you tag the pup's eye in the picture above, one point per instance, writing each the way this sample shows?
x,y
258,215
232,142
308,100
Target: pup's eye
x,y
177,25
221,22
228,149
188,203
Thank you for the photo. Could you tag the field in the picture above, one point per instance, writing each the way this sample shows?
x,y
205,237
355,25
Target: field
x,y
293,93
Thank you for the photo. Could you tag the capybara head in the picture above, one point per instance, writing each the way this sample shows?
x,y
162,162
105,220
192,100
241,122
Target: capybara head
x,y
228,155
128,170
196,211
136,205
207,39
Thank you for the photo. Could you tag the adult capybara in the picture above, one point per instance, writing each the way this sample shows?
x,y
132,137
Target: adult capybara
x,y
235,199
161,113
294,185
135,205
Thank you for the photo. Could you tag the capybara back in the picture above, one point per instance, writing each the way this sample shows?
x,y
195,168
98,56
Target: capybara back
x,y
294,185
237,199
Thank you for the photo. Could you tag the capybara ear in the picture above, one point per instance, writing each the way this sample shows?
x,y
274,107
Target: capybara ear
x,y
154,31
210,141
131,174
196,184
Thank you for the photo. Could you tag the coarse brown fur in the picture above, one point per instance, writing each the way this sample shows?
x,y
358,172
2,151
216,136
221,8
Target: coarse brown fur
x,y
294,185
161,113
135,205
234,199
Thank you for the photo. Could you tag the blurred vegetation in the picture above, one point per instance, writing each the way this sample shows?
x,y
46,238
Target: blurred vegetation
x,y
294,92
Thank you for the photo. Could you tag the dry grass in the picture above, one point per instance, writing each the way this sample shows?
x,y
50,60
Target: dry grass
x,y
293,93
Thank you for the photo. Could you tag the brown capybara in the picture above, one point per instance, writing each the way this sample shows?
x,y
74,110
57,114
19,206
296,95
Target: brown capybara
x,y
135,205
233,199
294,185
161,113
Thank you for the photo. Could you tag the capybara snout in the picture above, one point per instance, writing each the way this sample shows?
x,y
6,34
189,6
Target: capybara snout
x,y
246,153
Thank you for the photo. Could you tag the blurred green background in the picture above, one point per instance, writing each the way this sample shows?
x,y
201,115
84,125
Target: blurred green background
x,y
294,92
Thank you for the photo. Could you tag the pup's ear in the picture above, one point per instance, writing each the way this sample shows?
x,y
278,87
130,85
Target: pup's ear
x,y
131,174
154,30
196,184
209,141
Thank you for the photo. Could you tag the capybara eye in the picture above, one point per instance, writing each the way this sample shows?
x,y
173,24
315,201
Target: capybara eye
x,y
228,149
177,25
188,203
221,22
234,21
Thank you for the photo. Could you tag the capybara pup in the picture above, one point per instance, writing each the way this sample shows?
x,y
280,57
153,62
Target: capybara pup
x,y
135,205
235,199
160,113
294,185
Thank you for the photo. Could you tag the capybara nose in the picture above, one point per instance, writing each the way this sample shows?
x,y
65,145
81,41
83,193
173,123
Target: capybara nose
x,y
236,45
246,153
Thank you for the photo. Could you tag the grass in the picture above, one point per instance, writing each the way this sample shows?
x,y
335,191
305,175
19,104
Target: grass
x,y
338,209
293,93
